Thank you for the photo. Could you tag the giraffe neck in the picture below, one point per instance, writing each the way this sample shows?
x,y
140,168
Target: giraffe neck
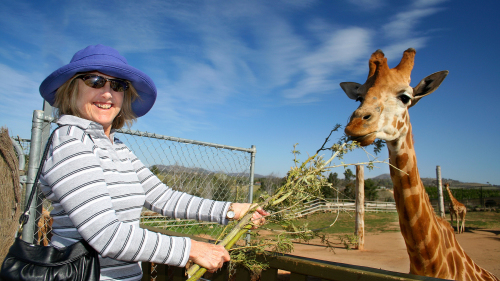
x,y
452,199
416,215
430,241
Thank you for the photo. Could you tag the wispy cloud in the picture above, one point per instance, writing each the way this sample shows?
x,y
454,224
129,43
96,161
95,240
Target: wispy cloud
x,y
404,28
18,93
202,55
404,24
341,52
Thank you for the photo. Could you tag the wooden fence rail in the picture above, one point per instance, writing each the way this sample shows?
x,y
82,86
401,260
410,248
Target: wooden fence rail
x,y
347,205
300,269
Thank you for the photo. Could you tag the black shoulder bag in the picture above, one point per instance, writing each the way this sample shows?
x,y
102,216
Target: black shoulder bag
x,y
25,261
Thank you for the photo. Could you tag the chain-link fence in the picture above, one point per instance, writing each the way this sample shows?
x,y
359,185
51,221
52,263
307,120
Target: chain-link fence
x,y
208,170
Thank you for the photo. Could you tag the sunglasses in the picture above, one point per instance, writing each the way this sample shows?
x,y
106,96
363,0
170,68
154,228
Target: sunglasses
x,y
97,82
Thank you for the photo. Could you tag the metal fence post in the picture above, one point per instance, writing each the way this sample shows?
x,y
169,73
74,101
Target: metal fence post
x,y
252,168
20,153
250,189
47,114
35,155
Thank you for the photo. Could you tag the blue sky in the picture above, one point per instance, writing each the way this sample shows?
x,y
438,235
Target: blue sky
x,y
267,73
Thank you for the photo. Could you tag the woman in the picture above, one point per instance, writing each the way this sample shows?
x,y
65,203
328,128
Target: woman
x,y
98,187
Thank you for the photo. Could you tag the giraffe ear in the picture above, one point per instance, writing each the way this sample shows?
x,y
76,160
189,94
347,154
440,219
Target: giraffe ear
x,y
428,85
351,89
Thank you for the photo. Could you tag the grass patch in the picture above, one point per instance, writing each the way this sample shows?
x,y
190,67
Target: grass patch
x,y
374,222
184,227
484,220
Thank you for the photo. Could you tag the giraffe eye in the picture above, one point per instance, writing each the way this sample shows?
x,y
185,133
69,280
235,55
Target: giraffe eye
x,y
404,98
360,99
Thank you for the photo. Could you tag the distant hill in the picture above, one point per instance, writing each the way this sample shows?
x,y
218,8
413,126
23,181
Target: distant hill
x,y
380,180
181,169
385,180
382,177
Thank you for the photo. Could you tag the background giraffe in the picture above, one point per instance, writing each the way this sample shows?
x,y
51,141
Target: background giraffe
x,y
45,227
385,99
457,209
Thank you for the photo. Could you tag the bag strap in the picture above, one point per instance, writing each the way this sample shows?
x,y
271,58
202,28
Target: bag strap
x,y
25,216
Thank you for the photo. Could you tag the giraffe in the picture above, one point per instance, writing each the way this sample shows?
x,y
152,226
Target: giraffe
x,y
385,99
45,227
457,209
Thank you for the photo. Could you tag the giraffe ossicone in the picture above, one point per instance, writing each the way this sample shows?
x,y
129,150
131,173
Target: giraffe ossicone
x,y
385,99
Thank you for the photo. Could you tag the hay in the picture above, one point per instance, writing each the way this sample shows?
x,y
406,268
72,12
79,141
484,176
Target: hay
x,y
10,193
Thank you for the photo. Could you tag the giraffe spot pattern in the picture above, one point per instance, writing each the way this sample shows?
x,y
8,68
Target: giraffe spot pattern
x,y
400,125
402,161
409,140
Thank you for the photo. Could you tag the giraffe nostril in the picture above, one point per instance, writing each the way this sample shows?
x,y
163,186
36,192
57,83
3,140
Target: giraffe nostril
x,y
366,117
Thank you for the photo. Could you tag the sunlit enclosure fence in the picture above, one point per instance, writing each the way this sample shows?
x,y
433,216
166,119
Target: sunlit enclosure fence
x,y
213,171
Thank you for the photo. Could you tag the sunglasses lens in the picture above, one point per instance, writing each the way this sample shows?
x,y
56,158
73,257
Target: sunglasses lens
x,y
97,82
94,81
118,86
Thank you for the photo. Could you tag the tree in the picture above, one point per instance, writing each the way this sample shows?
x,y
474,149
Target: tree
x,y
154,169
349,190
348,175
333,179
327,191
272,182
371,193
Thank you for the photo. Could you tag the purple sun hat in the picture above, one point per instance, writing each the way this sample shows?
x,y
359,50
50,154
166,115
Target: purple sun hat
x,y
108,61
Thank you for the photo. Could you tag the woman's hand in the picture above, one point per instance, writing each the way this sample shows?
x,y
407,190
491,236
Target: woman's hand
x,y
258,217
209,256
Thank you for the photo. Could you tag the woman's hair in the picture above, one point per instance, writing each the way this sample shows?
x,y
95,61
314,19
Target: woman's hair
x,y
67,96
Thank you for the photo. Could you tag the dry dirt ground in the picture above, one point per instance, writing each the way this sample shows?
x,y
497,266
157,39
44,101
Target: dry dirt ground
x,y
387,251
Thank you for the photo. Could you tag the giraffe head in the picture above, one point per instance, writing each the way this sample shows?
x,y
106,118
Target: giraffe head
x,y
385,99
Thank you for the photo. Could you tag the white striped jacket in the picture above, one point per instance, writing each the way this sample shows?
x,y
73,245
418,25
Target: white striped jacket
x,y
98,189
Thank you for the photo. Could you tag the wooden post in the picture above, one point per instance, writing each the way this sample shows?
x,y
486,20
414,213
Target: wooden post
x,y
360,206
440,192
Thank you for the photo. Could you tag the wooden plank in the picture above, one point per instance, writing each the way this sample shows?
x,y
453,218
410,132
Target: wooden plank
x,y
338,271
161,271
221,274
316,268
270,274
242,274
297,277
177,273
146,271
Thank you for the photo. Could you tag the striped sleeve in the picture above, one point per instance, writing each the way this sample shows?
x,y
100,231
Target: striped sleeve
x,y
168,202
77,185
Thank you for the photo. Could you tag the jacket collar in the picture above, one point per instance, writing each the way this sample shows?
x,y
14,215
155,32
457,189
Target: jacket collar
x,y
92,128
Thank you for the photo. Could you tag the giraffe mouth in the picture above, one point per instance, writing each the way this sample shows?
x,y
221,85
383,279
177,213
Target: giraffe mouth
x,y
364,140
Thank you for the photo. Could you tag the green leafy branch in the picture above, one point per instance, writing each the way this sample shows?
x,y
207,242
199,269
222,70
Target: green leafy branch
x,y
303,183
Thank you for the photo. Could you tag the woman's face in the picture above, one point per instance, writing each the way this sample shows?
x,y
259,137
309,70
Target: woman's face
x,y
99,105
